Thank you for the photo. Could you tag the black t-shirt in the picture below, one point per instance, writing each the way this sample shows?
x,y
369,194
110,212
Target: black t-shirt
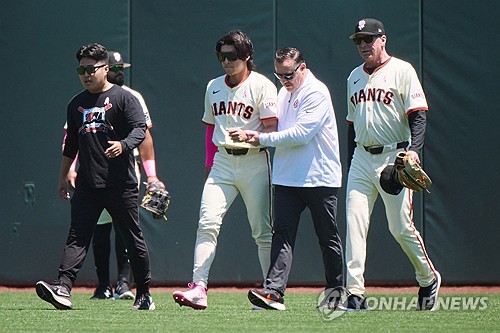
x,y
92,121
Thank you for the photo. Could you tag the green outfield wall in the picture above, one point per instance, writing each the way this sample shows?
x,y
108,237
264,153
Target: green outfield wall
x,y
171,47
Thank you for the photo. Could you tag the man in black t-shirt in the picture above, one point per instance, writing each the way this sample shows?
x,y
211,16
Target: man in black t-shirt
x,y
105,123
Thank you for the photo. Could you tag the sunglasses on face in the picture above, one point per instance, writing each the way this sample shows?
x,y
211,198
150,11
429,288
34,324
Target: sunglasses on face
x,y
116,68
367,39
287,76
227,55
89,69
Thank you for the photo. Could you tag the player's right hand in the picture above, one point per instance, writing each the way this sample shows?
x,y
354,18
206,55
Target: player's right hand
x,y
114,150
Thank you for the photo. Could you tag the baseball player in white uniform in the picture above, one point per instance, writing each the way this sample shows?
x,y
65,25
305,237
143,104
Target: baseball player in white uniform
x,y
386,114
241,98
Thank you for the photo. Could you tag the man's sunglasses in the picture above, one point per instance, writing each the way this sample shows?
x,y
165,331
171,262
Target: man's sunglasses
x,y
225,55
287,76
89,69
116,68
367,39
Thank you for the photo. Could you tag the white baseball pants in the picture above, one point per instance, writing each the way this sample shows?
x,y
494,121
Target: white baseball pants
x,y
363,188
250,176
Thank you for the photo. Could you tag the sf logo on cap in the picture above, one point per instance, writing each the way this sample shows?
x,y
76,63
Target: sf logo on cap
x,y
117,56
361,24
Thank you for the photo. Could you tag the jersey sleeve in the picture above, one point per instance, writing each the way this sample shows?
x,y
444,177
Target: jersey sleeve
x,y
269,100
145,109
142,102
413,94
208,116
350,104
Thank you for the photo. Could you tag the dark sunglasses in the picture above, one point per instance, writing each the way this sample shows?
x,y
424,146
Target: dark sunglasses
x,y
367,39
229,56
89,69
287,76
116,68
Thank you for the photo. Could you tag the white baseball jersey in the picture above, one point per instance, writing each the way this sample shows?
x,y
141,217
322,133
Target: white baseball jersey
x,y
307,145
378,104
243,106
145,109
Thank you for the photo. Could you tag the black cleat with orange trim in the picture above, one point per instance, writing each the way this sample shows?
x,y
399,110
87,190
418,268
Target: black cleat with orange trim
x,y
267,300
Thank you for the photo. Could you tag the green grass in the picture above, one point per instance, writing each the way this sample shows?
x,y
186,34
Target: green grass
x,y
231,312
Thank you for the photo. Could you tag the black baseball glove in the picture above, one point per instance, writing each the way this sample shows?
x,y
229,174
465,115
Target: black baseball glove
x,y
156,199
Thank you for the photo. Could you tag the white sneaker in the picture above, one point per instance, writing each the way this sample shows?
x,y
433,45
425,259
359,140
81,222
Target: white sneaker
x,y
195,297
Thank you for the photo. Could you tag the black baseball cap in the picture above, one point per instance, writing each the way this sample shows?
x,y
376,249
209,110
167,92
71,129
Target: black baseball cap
x,y
388,180
115,58
368,26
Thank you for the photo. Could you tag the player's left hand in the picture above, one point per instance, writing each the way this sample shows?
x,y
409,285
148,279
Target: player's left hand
x,y
114,150
237,134
154,185
410,174
414,155
252,137
154,179
156,200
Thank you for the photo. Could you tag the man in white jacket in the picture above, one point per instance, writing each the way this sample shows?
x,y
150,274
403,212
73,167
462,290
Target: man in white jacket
x,y
306,173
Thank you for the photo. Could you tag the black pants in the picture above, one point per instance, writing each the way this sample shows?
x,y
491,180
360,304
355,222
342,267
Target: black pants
x,y
289,203
101,246
86,207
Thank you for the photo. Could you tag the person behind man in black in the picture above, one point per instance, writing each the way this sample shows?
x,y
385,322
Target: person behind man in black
x,y
104,124
101,242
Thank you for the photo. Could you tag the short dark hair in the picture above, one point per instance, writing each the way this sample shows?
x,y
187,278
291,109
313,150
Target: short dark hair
x,y
242,44
94,51
288,53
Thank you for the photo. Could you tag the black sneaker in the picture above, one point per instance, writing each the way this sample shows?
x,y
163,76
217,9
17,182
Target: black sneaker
x,y
428,296
56,294
102,293
266,300
143,302
355,302
122,291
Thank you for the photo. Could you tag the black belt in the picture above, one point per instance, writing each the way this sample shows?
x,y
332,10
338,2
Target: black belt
x,y
240,151
380,149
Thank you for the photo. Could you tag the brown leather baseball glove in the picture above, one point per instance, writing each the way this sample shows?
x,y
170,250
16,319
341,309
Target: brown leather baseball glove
x,y
410,174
